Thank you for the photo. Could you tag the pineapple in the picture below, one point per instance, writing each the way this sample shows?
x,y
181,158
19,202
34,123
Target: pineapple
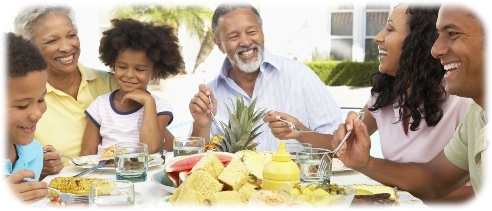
x,y
240,133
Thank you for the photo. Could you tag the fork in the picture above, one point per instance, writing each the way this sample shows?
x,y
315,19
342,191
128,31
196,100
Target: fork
x,y
326,158
71,159
294,127
70,198
212,116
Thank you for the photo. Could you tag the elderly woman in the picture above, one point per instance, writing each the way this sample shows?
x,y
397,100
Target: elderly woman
x,y
71,87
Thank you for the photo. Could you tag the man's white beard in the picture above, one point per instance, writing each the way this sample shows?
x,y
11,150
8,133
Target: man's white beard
x,y
252,65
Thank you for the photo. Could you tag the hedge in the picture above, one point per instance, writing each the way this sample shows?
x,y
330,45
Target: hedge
x,y
341,73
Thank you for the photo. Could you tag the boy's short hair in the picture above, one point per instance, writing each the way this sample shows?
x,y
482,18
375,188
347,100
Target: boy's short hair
x,y
23,56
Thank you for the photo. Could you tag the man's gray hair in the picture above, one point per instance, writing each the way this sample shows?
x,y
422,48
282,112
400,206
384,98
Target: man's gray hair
x,y
224,8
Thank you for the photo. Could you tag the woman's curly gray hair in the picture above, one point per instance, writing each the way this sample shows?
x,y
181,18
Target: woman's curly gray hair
x,y
28,16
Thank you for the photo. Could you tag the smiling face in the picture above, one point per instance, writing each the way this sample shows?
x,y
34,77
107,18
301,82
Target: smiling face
x,y
460,47
57,38
133,70
390,40
26,105
241,38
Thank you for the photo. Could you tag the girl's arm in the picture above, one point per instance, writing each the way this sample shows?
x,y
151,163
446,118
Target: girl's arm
x,y
91,139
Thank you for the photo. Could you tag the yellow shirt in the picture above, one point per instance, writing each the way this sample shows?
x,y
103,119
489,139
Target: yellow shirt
x,y
63,124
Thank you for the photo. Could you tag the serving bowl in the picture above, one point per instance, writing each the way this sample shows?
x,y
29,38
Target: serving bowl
x,y
321,195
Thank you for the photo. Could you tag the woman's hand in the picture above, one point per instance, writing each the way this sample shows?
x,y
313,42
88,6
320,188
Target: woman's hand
x,y
355,152
52,163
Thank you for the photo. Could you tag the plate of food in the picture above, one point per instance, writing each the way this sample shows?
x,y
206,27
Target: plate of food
x,y
92,160
157,179
338,166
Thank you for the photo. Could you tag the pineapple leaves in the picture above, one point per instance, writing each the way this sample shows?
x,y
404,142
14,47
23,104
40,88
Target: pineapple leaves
x,y
240,133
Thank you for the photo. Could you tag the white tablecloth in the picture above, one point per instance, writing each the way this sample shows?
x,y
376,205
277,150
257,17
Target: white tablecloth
x,y
154,194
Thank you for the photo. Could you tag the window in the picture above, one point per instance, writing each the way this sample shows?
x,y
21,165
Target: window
x,y
353,28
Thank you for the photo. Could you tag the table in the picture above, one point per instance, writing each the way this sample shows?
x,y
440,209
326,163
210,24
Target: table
x,y
154,194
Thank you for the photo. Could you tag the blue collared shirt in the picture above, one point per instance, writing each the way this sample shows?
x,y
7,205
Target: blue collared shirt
x,y
30,157
284,85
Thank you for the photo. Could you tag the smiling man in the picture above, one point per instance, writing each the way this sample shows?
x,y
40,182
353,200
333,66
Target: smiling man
x,y
278,83
461,49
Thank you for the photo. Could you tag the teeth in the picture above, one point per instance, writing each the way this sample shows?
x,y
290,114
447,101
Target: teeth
x,y
247,53
452,66
383,52
29,127
65,59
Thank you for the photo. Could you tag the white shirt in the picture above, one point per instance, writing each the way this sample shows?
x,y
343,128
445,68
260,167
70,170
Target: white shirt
x,y
116,126
284,85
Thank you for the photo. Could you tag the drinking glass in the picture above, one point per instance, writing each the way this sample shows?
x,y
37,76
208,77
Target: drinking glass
x,y
309,160
188,145
111,194
292,148
131,161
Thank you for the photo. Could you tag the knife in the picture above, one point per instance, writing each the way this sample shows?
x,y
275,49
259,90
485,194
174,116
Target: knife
x,y
89,170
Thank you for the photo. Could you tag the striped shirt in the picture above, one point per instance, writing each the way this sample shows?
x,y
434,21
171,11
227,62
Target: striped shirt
x,y
284,85
116,126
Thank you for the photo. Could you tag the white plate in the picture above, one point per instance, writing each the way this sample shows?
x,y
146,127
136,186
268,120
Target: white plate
x,y
337,166
93,160
140,201
157,179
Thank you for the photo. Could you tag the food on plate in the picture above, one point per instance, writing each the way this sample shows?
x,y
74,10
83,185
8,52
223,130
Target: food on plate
x,y
210,163
246,191
201,188
108,154
255,161
74,185
186,163
200,181
375,195
226,198
234,175
274,198
320,194
239,133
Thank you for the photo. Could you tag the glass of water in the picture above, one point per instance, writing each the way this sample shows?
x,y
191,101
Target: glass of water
x,y
309,161
111,194
292,148
188,145
131,161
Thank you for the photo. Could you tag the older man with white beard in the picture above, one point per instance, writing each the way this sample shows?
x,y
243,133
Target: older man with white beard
x,y
290,89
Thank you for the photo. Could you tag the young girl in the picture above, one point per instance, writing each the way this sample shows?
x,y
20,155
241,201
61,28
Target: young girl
x,y
26,88
136,52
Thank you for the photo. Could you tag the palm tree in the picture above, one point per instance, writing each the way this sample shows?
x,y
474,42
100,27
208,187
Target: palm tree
x,y
196,19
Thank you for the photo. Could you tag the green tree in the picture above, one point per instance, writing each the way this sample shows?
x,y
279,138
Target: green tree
x,y
197,20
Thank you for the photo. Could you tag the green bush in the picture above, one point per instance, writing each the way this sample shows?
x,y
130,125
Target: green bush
x,y
338,73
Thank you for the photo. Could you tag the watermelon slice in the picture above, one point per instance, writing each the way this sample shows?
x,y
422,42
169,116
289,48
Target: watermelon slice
x,y
178,169
187,162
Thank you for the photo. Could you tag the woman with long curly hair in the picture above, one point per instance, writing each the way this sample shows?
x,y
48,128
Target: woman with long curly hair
x,y
409,106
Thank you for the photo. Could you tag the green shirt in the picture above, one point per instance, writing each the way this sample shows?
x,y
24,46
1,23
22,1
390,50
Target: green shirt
x,y
468,145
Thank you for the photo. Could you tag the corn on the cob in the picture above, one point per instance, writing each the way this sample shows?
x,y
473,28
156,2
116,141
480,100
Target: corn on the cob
x,y
75,185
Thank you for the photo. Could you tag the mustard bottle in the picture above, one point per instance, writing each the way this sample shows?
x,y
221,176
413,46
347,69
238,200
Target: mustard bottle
x,y
281,170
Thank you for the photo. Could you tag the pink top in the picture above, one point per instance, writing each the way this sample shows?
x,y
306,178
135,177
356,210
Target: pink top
x,y
424,144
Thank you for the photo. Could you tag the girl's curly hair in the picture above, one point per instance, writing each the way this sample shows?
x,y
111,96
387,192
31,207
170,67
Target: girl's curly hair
x,y
158,41
417,84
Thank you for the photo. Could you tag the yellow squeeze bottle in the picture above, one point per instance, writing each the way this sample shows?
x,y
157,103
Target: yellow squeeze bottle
x,y
281,170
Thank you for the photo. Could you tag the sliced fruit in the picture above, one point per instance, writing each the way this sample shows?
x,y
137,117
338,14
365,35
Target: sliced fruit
x,y
255,161
182,176
363,192
170,179
187,162
320,192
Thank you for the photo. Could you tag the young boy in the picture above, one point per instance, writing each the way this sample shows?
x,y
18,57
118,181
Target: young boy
x,y
136,52
26,87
